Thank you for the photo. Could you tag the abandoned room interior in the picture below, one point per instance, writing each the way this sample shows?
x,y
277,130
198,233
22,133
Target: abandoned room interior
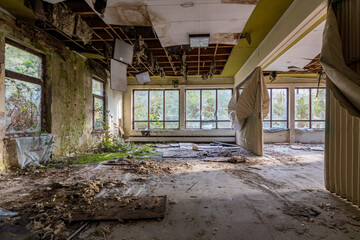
x,y
181,119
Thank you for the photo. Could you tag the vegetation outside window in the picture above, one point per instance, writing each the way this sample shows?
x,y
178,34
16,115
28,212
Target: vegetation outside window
x,y
310,108
156,109
207,108
278,112
23,89
98,104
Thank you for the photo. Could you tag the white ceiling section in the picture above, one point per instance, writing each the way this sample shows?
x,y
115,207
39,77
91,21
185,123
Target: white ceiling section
x,y
301,54
173,22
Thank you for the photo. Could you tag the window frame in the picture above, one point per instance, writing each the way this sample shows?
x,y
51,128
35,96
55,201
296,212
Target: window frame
x,y
310,120
148,113
270,109
216,110
25,78
93,102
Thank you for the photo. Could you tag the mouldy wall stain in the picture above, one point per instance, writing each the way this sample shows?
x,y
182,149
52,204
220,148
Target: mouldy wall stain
x,y
71,110
68,98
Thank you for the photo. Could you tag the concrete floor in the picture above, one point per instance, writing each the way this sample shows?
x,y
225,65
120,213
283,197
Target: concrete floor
x,y
245,201
263,198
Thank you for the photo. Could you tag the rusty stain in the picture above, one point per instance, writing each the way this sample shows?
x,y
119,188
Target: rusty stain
x,y
225,38
126,14
251,2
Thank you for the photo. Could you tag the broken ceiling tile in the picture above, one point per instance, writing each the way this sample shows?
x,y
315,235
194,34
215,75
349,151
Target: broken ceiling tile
x,y
63,19
225,38
83,31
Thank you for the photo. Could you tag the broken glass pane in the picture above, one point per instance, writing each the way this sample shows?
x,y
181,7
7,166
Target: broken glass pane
x,y
193,105
20,61
97,87
172,125
279,124
156,125
98,113
301,125
208,99
318,104
208,125
172,105
279,104
141,105
156,106
266,125
318,124
224,124
302,104
22,106
224,97
193,125
140,125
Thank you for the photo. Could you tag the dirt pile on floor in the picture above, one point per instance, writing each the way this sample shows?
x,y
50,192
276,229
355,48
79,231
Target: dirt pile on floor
x,y
49,211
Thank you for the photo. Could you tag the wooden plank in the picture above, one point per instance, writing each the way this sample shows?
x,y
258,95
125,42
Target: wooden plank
x,y
124,208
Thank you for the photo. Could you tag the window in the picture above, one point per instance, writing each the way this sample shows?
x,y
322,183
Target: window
x,y
207,108
98,104
23,89
310,107
278,112
156,109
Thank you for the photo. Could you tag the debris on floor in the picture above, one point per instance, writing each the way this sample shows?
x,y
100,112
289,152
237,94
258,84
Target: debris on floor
x,y
6,214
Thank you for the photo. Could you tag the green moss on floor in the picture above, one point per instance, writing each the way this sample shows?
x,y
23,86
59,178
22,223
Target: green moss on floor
x,y
137,151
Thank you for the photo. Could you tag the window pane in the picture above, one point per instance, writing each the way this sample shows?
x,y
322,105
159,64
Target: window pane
x,y
302,104
318,104
172,125
193,105
208,99
140,125
97,88
266,125
224,124
302,125
317,124
224,97
172,105
279,104
279,124
141,105
193,125
23,62
98,113
156,106
156,125
22,106
208,125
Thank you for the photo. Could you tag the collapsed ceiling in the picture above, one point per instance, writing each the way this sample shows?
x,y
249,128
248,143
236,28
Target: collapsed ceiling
x,y
164,28
160,59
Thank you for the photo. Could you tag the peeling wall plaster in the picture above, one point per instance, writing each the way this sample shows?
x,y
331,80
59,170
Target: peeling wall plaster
x,y
68,98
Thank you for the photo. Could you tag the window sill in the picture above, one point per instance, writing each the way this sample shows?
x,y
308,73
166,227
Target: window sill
x,y
99,131
274,130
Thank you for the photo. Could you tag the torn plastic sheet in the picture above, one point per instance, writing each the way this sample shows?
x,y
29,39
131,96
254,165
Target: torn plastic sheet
x,y
34,150
241,106
248,110
333,62
5,214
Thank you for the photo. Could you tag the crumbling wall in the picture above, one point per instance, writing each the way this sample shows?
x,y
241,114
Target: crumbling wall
x,y
68,96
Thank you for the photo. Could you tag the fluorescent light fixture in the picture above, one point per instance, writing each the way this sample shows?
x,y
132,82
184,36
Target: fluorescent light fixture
x,y
118,78
123,51
143,77
199,40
